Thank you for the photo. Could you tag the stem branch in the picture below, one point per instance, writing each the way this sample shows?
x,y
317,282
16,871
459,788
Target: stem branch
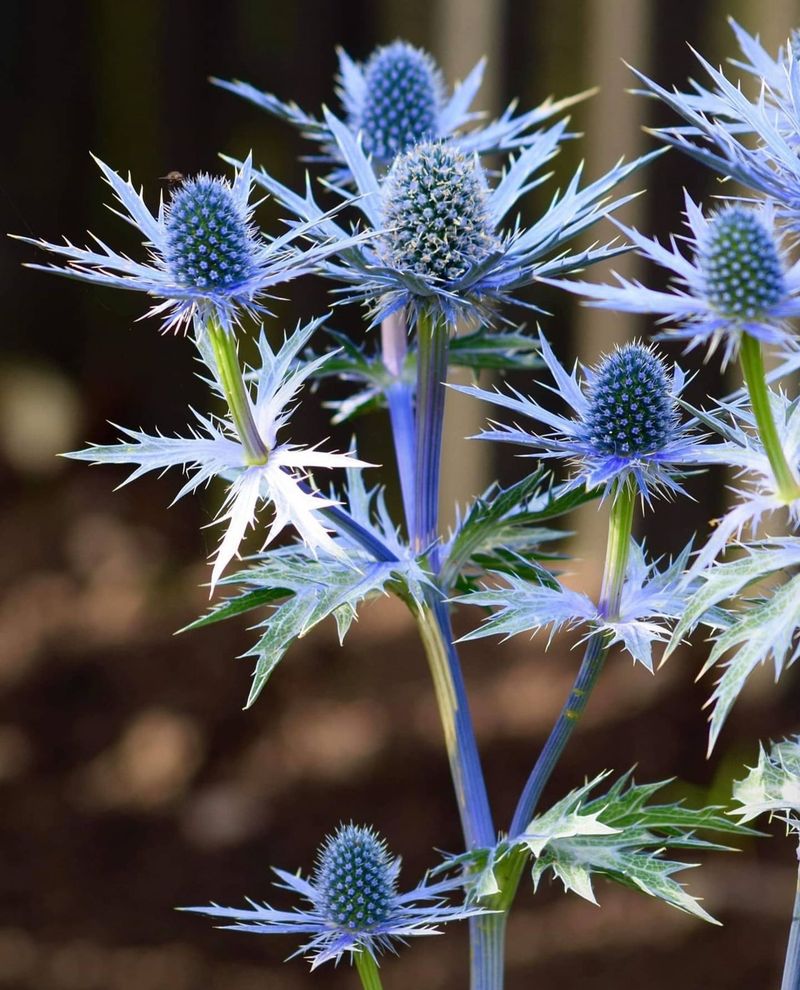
x,y
236,395
435,631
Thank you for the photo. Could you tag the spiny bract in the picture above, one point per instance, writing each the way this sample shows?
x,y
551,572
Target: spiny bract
x,y
435,214
631,410
402,94
355,878
209,245
741,265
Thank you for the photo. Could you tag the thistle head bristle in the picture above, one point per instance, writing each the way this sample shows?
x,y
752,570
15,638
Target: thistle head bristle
x,y
631,409
435,213
402,94
355,878
741,265
209,246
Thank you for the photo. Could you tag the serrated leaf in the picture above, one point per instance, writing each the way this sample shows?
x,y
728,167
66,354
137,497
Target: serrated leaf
x,y
630,849
772,786
767,629
500,350
319,590
724,581
565,820
509,520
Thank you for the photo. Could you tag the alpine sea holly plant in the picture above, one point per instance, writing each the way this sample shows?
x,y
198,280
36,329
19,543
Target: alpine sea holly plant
x,y
436,251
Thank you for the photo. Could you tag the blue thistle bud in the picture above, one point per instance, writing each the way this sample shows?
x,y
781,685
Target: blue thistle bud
x,y
355,877
631,410
402,94
740,264
208,243
435,213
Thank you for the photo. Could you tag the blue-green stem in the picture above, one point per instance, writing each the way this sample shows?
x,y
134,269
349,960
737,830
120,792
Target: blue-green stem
x,y
400,400
752,362
616,562
368,971
791,969
617,552
236,394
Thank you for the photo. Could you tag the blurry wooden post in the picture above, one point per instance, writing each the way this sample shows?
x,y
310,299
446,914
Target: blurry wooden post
x,y
463,31
616,30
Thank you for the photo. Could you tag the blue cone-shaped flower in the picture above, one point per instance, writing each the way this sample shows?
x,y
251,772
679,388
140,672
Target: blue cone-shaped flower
x,y
631,410
401,100
436,221
356,878
739,261
208,244
207,261
438,245
398,98
737,280
626,426
354,905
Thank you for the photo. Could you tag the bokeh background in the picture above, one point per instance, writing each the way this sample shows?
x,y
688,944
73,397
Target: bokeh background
x,y
130,780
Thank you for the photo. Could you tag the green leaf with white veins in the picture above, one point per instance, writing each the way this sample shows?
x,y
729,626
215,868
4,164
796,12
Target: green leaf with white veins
x,y
620,837
769,628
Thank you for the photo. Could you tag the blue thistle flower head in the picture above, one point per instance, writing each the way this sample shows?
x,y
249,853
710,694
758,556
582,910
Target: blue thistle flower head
x,y
206,260
397,98
401,100
741,264
631,409
435,216
625,428
209,244
353,902
437,246
356,878
736,279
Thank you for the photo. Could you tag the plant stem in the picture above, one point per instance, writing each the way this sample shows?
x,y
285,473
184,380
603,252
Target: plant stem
x,y
236,394
433,620
368,970
752,363
617,552
487,950
400,399
432,340
435,631
791,969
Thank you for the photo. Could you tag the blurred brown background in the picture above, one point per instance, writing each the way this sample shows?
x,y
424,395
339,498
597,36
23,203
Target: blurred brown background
x,y
130,780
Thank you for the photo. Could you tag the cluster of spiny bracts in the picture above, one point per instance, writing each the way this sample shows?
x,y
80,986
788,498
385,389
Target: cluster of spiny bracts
x,y
411,225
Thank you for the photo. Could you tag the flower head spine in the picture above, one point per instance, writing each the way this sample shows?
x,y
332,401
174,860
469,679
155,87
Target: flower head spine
x,y
401,100
435,213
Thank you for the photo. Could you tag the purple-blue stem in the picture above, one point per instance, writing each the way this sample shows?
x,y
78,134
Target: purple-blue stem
x,y
400,400
433,620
